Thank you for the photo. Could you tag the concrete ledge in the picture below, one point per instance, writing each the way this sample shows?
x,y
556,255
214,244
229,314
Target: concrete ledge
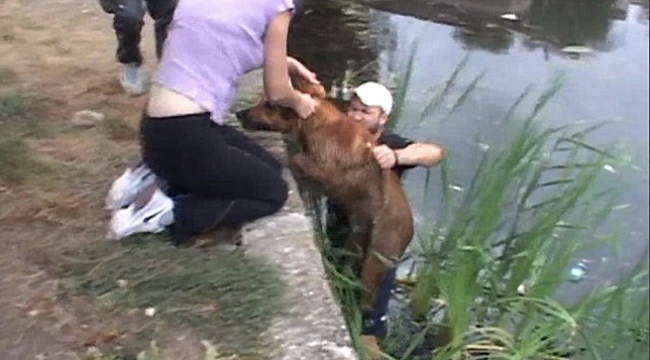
x,y
313,327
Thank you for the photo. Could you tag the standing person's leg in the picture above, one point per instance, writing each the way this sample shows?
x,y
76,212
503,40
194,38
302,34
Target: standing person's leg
x,y
162,12
222,185
375,321
128,19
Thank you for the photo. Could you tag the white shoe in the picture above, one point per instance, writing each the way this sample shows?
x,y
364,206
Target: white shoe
x,y
149,218
133,79
128,185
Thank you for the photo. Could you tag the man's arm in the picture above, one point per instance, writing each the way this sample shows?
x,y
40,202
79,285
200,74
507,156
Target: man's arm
x,y
415,154
420,154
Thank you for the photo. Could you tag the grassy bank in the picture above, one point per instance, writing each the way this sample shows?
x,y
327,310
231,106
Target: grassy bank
x,y
227,298
18,122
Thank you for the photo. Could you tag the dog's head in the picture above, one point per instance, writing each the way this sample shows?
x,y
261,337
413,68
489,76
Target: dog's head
x,y
269,117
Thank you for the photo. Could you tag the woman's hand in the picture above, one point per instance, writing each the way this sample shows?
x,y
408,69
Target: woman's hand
x,y
297,68
304,105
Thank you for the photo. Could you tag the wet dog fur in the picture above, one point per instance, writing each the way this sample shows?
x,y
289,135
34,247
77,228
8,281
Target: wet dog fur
x,y
336,153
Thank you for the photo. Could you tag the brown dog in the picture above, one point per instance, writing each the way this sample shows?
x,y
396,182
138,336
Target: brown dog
x,y
337,154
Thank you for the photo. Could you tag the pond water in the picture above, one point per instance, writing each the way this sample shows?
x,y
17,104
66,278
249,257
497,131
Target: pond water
x,y
516,44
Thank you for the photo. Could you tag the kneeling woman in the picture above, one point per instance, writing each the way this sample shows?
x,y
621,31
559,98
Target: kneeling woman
x,y
216,175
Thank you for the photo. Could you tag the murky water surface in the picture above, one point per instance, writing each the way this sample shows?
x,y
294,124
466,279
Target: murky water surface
x,y
601,48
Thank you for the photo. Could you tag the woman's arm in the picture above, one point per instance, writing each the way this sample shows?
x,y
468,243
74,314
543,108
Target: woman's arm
x,y
296,68
277,83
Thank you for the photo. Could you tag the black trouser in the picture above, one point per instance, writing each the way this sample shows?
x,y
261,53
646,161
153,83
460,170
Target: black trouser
x,y
217,175
128,20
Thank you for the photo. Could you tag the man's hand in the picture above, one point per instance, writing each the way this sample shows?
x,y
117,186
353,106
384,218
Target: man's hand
x,y
385,156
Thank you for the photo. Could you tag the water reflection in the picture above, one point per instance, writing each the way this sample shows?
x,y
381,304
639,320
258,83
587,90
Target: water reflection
x,y
495,42
577,22
333,37
481,24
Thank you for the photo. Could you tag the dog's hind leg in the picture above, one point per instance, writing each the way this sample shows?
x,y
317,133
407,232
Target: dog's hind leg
x,y
378,278
391,234
375,268
387,245
358,239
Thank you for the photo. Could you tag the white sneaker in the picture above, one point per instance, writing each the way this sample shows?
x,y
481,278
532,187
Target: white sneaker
x,y
150,218
128,185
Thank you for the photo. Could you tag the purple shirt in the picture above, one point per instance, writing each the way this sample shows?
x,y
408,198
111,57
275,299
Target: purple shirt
x,y
211,44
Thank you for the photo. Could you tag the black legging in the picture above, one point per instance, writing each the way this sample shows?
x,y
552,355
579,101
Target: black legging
x,y
217,175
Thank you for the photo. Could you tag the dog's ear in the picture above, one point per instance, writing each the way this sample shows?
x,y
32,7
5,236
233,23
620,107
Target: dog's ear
x,y
303,85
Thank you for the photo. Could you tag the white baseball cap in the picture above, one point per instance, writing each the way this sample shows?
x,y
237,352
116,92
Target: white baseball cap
x,y
375,94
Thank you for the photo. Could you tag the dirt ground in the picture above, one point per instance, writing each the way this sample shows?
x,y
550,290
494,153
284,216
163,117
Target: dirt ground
x,y
60,55
62,52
